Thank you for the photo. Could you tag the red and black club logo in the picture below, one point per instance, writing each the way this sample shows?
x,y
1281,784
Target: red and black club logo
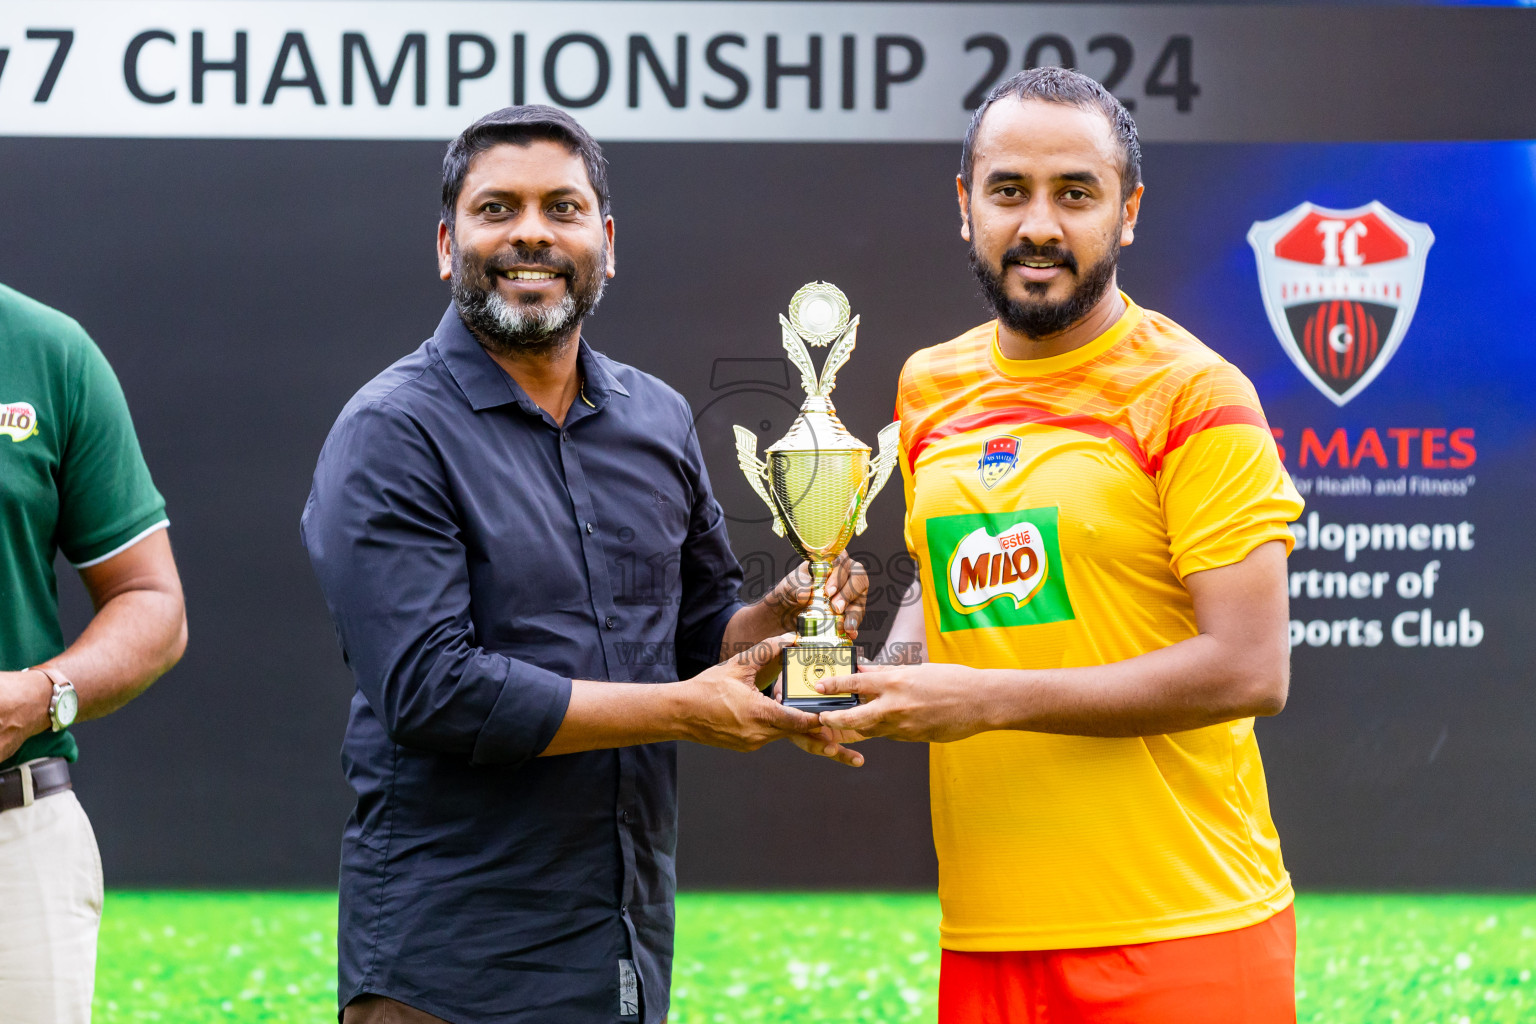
x,y
1340,287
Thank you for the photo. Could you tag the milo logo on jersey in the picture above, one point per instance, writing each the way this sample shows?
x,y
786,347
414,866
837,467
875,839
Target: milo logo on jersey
x,y
18,420
1001,569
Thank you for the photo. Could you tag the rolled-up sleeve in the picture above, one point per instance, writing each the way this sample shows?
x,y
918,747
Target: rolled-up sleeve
x,y
385,540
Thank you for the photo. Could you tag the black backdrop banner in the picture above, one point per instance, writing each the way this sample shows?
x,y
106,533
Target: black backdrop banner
x,y
246,267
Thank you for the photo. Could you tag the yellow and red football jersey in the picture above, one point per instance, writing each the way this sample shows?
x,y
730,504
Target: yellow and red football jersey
x,y
1054,507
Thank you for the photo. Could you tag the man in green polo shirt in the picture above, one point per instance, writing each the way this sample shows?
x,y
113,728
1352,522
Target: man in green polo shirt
x,y
72,480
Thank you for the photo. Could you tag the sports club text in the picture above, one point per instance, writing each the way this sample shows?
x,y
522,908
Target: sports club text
x,y
1418,627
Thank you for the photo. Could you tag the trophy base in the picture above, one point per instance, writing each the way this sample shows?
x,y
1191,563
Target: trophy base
x,y
804,664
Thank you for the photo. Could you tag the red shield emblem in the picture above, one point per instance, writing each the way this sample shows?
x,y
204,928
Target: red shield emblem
x,y
1340,287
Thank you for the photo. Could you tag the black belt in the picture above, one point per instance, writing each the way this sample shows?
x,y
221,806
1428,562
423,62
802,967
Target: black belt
x,y
34,780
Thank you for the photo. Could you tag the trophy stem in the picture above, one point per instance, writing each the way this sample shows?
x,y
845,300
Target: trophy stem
x,y
819,624
821,649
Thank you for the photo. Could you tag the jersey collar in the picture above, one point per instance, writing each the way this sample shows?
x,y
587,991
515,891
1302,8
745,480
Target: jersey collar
x,y
1067,360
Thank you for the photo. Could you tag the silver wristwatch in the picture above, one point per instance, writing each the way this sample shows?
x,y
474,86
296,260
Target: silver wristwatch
x,y
64,705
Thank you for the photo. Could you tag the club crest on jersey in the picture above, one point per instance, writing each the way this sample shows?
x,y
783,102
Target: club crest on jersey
x,y
18,420
1340,288
998,457
998,569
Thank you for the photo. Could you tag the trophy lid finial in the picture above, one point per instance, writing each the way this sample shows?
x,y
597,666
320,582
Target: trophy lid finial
x,y
819,313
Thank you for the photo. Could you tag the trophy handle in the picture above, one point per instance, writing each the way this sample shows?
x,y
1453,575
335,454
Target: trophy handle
x,y
889,440
756,471
802,360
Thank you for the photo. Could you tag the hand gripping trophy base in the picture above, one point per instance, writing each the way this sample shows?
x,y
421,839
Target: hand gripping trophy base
x,y
818,481
821,649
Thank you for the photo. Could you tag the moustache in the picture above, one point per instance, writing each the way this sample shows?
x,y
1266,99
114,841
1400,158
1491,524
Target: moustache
x,y
502,262
1030,251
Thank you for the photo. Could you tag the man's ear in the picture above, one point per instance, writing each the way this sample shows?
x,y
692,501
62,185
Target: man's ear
x,y
444,252
1132,211
965,207
612,267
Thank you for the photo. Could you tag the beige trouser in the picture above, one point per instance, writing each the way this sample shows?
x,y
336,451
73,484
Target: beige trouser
x,y
50,911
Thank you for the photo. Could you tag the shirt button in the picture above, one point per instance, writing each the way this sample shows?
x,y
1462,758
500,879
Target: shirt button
x,y
608,622
565,435
590,527
624,817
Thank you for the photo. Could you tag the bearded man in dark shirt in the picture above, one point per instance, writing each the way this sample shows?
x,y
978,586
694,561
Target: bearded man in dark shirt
x,y
479,516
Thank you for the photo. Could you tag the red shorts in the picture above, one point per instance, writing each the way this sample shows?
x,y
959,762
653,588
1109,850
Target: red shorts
x,y
1247,976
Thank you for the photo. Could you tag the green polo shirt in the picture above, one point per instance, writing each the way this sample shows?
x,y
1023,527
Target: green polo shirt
x,y
72,479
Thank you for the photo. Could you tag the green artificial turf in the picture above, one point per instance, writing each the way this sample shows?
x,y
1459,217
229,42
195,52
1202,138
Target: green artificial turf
x,y
199,958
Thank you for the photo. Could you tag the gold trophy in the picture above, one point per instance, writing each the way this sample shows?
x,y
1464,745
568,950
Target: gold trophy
x,y
818,481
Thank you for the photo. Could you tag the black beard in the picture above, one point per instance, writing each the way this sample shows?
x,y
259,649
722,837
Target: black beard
x,y
1039,318
506,329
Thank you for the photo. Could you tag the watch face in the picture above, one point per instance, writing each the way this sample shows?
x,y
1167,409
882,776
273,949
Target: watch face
x,y
66,709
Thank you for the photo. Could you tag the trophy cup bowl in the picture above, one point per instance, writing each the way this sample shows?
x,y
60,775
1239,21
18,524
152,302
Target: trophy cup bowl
x,y
818,480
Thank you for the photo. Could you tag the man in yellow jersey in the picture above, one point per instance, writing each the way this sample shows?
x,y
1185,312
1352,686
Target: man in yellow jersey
x,y
1099,515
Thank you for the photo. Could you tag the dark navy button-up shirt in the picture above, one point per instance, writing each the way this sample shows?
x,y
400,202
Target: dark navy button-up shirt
x,y
476,557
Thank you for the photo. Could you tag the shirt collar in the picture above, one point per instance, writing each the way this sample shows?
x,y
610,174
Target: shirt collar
x,y
1025,368
487,385
594,370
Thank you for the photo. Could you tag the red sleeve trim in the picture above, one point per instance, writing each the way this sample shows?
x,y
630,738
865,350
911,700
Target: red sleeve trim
x,y
1224,416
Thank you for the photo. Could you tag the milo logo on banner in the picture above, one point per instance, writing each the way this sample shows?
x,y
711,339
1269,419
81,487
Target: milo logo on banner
x,y
1001,569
